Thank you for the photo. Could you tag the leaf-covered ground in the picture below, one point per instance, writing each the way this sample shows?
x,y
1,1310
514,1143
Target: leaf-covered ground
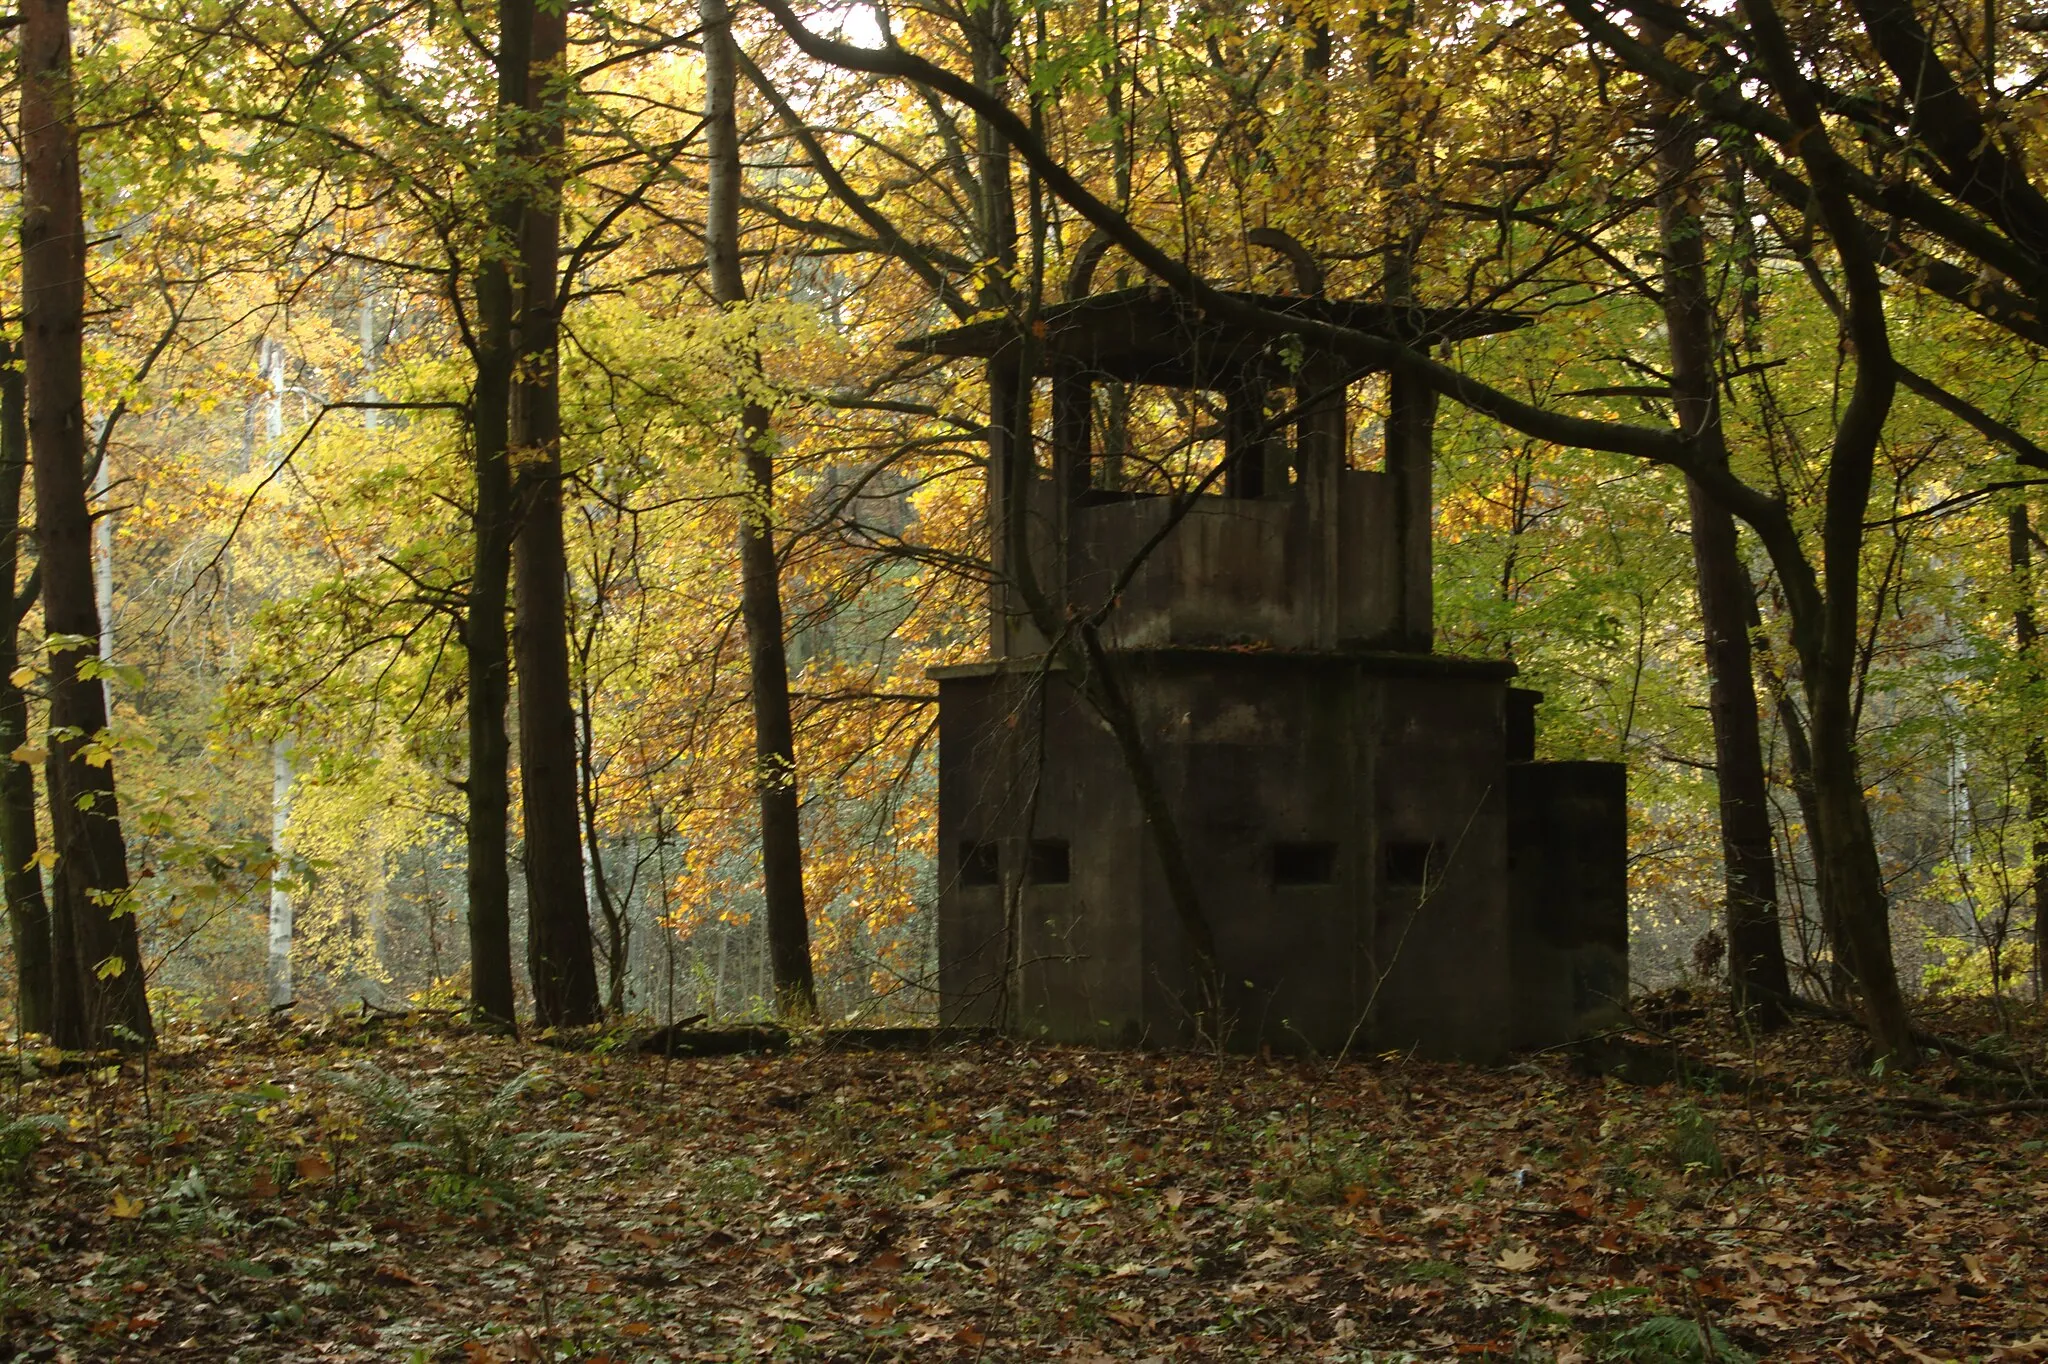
x,y
396,1191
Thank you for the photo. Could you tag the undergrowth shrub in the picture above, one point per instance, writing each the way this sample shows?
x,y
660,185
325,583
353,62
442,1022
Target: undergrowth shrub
x,y
20,1139
1695,1142
1668,1340
475,1154
188,1206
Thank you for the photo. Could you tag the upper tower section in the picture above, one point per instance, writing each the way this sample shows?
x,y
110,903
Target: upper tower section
x,y
1258,525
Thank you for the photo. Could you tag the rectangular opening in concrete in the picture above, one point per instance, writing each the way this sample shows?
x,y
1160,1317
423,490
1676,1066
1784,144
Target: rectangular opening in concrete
x,y
1409,863
980,864
1049,865
1304,864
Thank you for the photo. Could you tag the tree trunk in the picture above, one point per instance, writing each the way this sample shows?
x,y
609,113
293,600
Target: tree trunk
x,y
1825,601
1757,978
278,966
782,854
487,790
28,914
1854,881
2026,640
560,958
1758,981
1799,758
99,986
103,560
616,916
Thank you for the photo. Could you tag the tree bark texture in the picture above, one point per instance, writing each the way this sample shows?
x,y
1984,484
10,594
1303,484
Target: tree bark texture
x,y
1839,988
1757,977
1846,845
616,917
782,854
561,960
99,986
28,913
2026,640
487,790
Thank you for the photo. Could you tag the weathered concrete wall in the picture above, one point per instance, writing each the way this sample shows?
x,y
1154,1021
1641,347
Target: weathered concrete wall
x,y
1222,576
1568,880
1261,754
1369,561
976,796
1345,817
1442,949
1236,570
1074,974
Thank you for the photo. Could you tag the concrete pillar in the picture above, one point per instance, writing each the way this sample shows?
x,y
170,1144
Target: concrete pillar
x,y
1319,457
1009,479
1073,468
1411,463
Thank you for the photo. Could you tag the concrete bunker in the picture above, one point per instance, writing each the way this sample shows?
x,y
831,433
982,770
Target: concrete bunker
x,y
1382,864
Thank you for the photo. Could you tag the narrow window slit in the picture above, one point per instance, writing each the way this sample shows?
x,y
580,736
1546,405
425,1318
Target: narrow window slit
x,y
980,864
1050,863
1304,864
1410,864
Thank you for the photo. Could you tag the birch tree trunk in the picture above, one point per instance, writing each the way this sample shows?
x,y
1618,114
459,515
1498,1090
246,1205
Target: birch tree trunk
x,y
278,967
103,566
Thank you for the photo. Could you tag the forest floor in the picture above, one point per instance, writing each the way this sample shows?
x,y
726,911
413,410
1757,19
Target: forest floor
x,y
395,1190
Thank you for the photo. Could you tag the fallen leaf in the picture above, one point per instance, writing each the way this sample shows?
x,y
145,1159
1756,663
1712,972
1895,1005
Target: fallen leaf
x,y
1520,1259
124,1207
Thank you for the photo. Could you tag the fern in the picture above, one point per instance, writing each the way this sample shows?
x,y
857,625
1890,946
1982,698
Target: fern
x,y
468,1146
1669,1340
20,1139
